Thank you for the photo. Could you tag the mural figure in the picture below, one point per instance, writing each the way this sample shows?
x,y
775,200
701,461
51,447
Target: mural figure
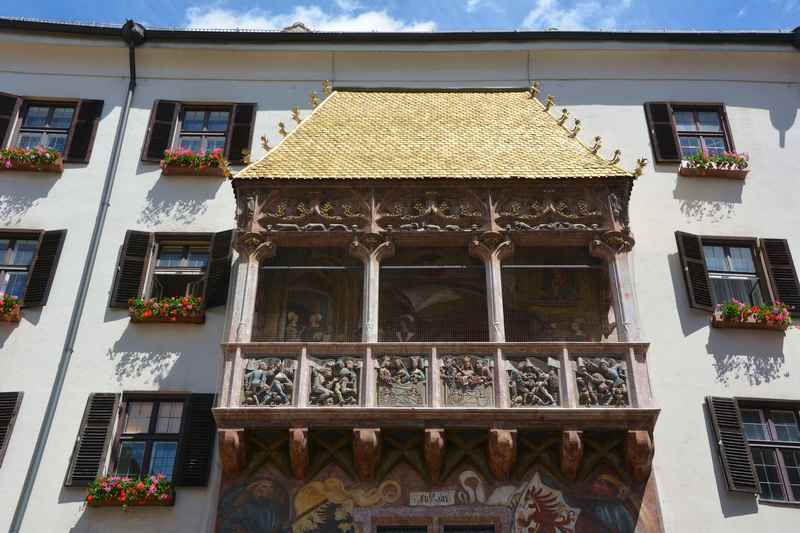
x,y
335,382
533,382
261,505
541,509
468,381
268,381
602,381
406,331
402,381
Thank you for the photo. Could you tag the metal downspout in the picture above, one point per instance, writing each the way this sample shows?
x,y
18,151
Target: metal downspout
x,y
133,35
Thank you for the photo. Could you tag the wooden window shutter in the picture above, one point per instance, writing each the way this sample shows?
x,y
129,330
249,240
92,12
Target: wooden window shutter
x,y
693,264
737,463
159,133
726,126
241,131
83,131
43,269
782,273
131,267
9,107
219,269
9,407
663,137
197,442
94,435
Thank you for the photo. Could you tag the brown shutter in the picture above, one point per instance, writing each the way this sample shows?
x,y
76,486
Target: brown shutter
x,y
9,106
693,264
662,132
197,442
131,267
241,131
9,407
726,126
43,269
89,453
82,133
219,269
737,463
159,133
782,273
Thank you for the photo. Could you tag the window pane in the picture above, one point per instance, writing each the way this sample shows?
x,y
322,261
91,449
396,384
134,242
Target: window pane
x,y
191,143
742,259
4,244
29,140
169,417
62,117
684,120
402,529
13,283
218,121
754,428
56,141
469,529
193,120
131,459
744,289
709,121
170,256
768,476
198,257
23,252
36,116
212,143
792,460
785,426
138,417
162,460
714,145
715,258
689,145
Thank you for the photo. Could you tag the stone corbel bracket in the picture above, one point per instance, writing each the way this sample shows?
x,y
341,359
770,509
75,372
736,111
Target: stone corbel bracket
x,y
491,244
371,246
611,243
639,451
366,452
434,452
571,453
232,452
255,245
502,452
298,451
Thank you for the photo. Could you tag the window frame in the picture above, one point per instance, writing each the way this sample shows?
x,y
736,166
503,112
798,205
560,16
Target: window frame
x,y
187,242
696,108
765,408
203,134
151,437
14,235
738,242
27,103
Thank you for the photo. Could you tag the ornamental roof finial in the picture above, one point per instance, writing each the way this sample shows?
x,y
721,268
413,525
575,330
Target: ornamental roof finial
x,y
616,157
576,128
265,143
534,91
296,114
598,142
550,102
640,164
282,129
314,99
326,88
563,118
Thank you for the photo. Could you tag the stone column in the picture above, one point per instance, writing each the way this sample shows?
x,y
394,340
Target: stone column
x,y
253,248
492,248
614,247
371,249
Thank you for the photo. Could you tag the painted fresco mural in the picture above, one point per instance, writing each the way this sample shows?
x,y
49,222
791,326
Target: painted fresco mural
x,y
265,498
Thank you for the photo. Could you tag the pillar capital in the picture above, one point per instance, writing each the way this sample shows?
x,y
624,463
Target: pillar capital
x,y
367,246
255,246
611,243
490,245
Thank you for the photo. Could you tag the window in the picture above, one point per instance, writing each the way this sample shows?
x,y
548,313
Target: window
x,y
773,436
28,261
200,127
16,258
402,529
179,269
9,408
45,125
469,529
752,270
148,440
203,129
678,130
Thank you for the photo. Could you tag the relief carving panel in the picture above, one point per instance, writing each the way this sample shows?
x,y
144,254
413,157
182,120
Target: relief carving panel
x,y
444,210
402,381
548,209
468,381
302,210
602,382
533,382
268,382
335,381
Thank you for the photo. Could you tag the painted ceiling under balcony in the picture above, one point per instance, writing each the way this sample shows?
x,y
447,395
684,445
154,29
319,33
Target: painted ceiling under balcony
x,y
448,133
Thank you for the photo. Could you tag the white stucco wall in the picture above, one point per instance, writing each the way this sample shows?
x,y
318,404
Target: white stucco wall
x,y
602,84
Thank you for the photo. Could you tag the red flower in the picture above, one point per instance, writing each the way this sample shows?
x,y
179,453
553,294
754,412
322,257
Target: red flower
x,y
140,486
89,498
147,314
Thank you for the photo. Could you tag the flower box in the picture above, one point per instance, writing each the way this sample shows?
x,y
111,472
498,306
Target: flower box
x,y
734,314
10,310
125,492
729,173
185,309
736,324
37,159
185,162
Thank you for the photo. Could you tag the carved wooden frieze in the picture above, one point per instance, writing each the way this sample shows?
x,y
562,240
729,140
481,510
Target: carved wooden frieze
x,y
304,210
268,382
335,382
602,382
550,209
533,382
436,210
467,381
402,381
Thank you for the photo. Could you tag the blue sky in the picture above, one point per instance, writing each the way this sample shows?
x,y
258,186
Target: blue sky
x,y
427,15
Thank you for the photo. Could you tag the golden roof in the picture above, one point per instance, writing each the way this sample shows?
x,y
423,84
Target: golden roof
x,y
431,133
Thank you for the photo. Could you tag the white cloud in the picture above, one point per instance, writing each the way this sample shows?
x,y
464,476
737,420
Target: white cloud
x,y
473,5
348,5
579,15
312,16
